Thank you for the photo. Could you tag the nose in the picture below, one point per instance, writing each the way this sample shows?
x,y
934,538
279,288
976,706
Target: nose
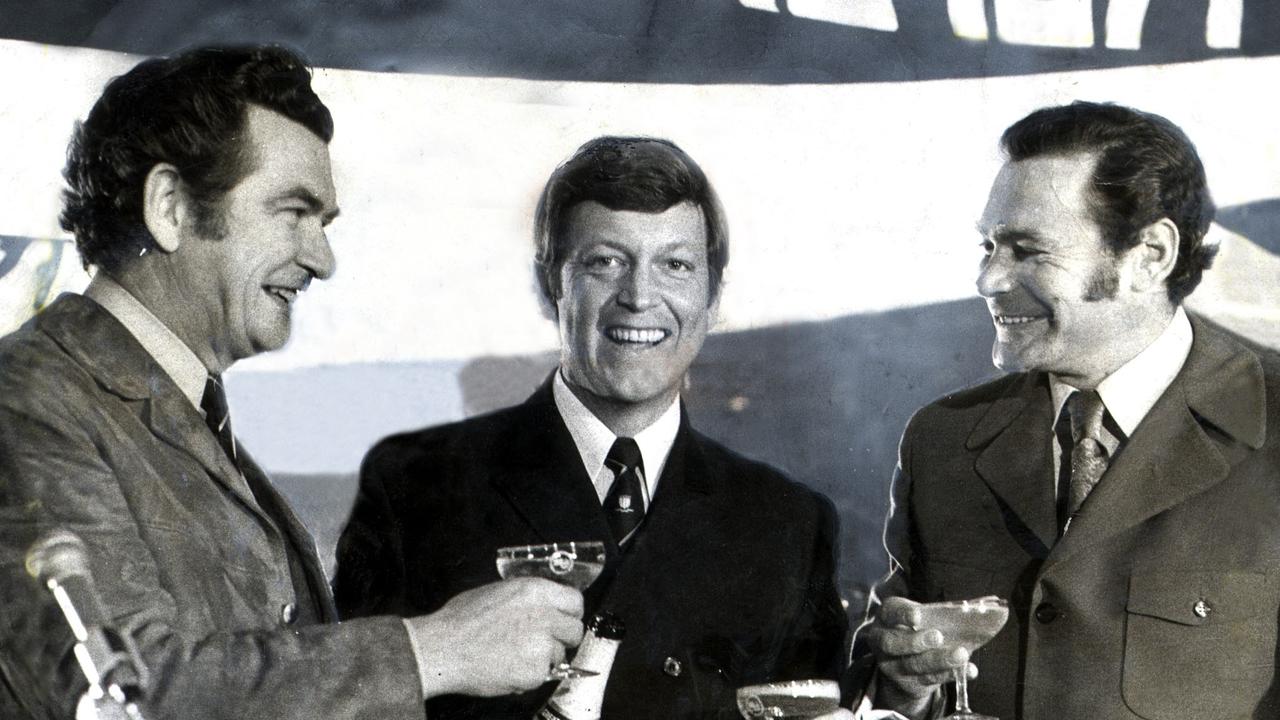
x,y
995,274
315,254
638,291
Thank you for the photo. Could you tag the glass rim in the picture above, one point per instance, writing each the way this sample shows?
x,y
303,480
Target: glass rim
x,y
985,601
795,688
572,547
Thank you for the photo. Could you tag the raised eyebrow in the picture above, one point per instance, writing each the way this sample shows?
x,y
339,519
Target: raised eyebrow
x,y
1008,234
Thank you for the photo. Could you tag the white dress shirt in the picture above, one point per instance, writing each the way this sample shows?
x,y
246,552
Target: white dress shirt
x,y
593,440
1130,392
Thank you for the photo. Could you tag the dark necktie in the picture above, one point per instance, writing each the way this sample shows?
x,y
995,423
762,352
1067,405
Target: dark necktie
x,y
1089,457
218,416
624,505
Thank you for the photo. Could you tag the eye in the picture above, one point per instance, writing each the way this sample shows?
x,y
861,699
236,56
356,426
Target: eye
x,y
294,215
1022,252
678,265
987,247
602,262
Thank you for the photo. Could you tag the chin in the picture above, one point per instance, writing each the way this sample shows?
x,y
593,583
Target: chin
x,y
637,392
1006,360
270,342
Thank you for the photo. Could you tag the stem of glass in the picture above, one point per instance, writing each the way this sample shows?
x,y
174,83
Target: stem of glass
x,y
962,688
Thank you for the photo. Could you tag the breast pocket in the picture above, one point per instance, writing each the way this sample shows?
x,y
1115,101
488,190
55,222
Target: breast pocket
x,y
1199,644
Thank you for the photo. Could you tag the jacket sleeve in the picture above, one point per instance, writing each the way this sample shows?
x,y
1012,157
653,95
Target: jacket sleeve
x,y
53,474
818,635
898,541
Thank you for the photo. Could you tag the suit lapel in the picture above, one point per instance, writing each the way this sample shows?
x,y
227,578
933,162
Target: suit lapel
x,y
172,418
1172,455
108,352
542,477
1015,459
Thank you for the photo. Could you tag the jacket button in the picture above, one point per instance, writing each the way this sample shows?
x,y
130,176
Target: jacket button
x,y
288,613
1046,613
1202,609
672,667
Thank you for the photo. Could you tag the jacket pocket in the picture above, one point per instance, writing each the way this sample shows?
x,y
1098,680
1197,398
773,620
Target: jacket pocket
x,y
1199,643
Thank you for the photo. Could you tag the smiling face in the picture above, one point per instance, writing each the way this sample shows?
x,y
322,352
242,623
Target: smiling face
x,y
239,287
1059,298
634,306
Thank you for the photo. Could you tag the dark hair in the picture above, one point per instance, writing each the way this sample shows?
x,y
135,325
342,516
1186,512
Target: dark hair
x,y
188,110
625,173
1147,169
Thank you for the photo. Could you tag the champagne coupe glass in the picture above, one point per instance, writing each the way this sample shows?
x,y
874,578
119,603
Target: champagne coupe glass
x,y
576,564
969,624
798,699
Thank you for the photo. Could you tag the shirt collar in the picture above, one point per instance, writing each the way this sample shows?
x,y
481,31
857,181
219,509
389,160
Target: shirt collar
x,y
1130,392
170,353
594,439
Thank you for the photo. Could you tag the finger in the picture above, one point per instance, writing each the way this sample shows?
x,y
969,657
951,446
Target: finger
x,y
898,611
902,642
932,663
566,631
555,654
561,597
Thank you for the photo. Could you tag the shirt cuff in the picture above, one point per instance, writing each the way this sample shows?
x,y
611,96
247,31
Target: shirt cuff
x,y
417,656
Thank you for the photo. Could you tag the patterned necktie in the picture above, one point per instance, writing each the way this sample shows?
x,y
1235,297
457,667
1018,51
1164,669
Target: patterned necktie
x,y
1089,456
624,505
218,416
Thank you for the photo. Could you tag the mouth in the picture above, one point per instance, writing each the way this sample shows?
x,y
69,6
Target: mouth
x,y
286,294
1014,320
636,336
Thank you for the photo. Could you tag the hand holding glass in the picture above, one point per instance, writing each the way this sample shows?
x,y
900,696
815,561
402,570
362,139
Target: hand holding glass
x,y
969,624
576,564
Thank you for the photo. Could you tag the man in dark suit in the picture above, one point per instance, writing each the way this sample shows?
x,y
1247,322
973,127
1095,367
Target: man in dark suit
x,y
721,568
1121,486
199,190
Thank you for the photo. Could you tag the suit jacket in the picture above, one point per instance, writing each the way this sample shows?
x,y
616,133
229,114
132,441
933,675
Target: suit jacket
x,y
96,438
1162,600
728,582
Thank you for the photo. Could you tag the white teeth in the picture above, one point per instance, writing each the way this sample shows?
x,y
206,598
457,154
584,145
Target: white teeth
x,y
646,336
1015,319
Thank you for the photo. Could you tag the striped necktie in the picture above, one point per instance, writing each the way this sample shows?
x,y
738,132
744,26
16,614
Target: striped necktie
x,y
624,505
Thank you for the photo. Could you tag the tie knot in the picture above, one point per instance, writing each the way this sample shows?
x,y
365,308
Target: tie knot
x,y
624,455
1086,410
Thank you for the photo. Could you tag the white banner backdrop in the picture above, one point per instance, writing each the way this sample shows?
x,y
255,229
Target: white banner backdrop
x,y
842,199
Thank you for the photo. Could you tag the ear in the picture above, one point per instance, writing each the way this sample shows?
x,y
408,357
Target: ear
x,y
1155,255
165,206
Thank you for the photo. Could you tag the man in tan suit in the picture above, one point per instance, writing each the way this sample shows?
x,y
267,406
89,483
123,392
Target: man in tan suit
x,y
1121,486
200,189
